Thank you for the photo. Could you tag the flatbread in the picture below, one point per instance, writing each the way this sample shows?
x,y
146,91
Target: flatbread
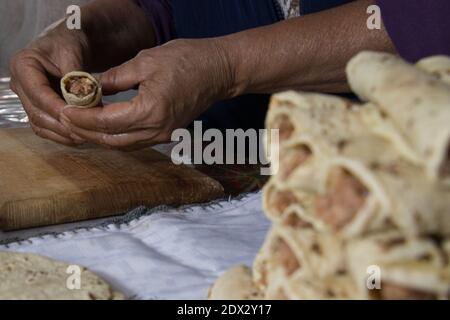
x,y
89,100
260,264
25,276
235,284
304,287
299,163
410,268
314,127
281,203
289,251
397,193
320,116
437,66
417,103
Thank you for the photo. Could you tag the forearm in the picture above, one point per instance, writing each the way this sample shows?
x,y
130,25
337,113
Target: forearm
x,y
305,53
112,32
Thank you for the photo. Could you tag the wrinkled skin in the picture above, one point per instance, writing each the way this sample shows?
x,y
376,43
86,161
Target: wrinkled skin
x,y
177,82
31,69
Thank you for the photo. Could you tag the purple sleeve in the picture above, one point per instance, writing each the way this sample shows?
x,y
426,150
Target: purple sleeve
x,y
418,28
160,14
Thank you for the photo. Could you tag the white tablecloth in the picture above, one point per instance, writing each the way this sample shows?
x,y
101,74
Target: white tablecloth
x,y
161,253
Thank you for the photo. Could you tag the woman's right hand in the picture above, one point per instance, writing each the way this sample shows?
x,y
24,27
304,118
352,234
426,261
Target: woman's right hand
x,y
35,73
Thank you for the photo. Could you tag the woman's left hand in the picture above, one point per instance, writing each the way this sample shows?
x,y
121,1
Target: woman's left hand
x,y
176,82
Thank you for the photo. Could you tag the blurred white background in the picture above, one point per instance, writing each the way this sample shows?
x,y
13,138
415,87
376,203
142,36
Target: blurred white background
x,y
22,20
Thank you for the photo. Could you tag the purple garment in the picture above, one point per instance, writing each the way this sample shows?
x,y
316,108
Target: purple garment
x,y
418,28
160,14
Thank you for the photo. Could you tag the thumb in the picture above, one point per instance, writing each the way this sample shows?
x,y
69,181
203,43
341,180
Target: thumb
x,y
121,78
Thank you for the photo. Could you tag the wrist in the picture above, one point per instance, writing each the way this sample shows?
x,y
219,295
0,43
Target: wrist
x,y
229,57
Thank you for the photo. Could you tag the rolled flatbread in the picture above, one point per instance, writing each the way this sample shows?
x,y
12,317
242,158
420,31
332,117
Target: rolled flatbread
x,y
446,247
298,162
360,186
318,253
409,268
290,251
260,276
274,263
81,89
235,284
314,127
319,116
275,201
437,66
368,187
416,102
303,287
286,206
26,276
289,255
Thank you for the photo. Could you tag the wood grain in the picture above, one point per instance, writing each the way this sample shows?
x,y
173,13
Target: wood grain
x,y
43,183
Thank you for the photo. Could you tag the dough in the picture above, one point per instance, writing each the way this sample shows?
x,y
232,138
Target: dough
x,y
235,284
26,276
81,89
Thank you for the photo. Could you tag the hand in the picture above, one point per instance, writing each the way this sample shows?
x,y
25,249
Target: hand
x,y
177,82
117,27
32,71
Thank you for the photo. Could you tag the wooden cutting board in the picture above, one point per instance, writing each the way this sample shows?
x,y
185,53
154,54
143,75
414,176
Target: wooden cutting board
x,y
43,183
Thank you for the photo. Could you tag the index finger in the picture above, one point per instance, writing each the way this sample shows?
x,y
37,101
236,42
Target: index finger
x,y
38,89
118,117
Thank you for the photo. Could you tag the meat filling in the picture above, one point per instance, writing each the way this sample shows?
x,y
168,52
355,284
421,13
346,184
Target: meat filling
x,y
285,126
284,256
280,200
80,86
345,197
294,159
294,221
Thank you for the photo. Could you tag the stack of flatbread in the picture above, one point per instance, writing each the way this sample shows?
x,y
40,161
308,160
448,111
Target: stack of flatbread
x,y
361,202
